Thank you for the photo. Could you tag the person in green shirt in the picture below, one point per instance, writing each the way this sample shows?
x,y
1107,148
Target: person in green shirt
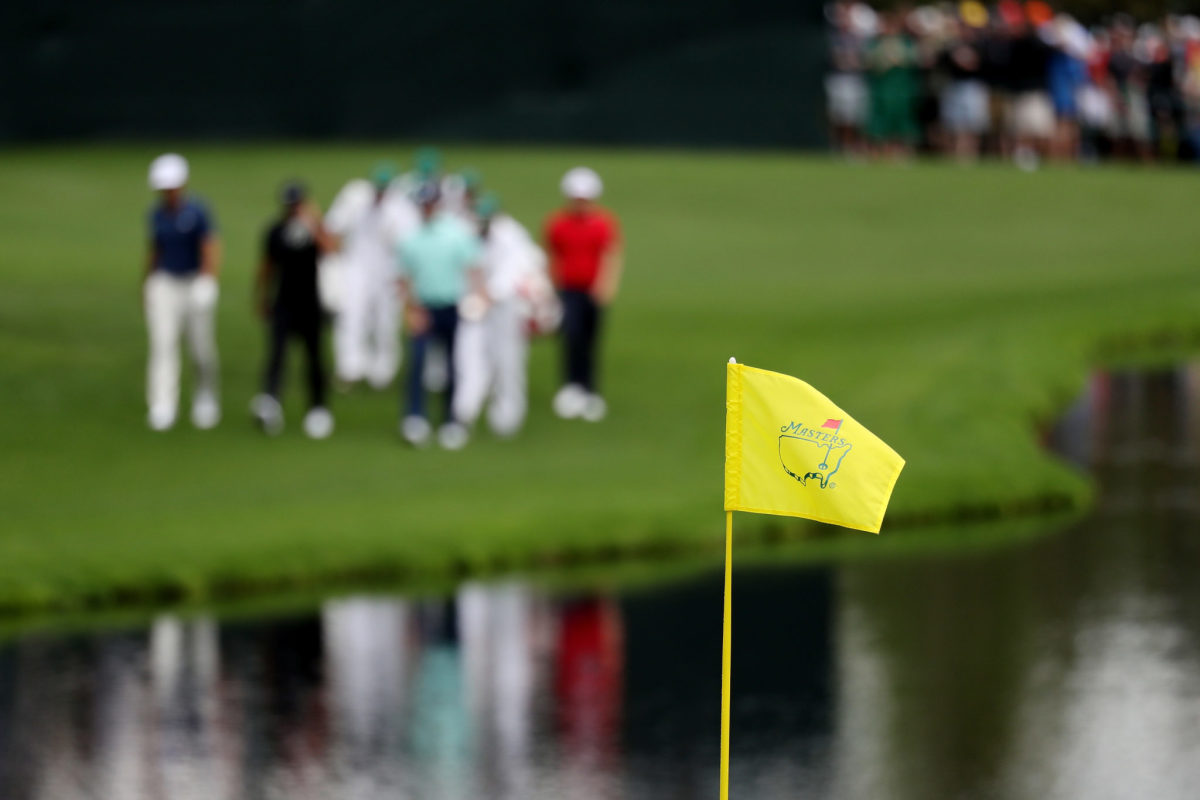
x,y
437,265
893,84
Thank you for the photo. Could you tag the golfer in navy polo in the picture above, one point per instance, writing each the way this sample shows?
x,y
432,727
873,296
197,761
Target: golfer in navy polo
x,y
180,295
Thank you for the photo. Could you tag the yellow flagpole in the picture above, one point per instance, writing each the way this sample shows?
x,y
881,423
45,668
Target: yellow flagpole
x,y
726,647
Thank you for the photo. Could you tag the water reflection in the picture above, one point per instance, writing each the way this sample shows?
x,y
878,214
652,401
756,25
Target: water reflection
x,y
1065,668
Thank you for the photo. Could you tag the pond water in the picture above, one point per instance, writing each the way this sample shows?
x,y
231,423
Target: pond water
x,y
1068,667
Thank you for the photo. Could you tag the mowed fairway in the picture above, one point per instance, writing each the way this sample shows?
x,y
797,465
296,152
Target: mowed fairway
x,y
950,310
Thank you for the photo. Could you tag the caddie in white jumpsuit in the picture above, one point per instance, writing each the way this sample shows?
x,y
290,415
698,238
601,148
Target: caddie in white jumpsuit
x,y
427,168
461,192
492,347
180,295
370,218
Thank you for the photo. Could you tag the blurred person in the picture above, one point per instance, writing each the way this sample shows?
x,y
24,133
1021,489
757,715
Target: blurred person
x,y
1127,73
370,218
492,346
964,100
180,294
182,671
1030,116
1184,43
892,80
273,674
845,87
286,297
996,50
367,649
504,654
931,30
589,676
1055,88
584,245
461,191
125,718
1162,93
1067,75
1190,82
439,721
437,266
1097,107
427,168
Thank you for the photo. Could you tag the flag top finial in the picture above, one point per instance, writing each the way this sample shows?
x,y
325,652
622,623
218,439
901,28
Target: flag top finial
x,y
732,360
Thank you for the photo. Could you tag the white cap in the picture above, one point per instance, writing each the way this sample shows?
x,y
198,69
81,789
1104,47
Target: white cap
x,y
168,171
582,183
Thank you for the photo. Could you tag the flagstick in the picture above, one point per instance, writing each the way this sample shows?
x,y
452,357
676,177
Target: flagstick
x,y
725,655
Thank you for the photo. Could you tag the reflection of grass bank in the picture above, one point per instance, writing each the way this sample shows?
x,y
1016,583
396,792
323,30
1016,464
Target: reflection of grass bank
x,y
948,310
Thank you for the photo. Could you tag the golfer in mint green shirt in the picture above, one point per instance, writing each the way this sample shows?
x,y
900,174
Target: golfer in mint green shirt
x,y
437,265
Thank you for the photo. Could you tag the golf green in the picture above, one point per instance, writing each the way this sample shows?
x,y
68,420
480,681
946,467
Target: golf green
x,y
951,310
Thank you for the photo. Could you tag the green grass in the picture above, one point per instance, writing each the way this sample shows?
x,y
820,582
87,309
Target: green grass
x,y
950,310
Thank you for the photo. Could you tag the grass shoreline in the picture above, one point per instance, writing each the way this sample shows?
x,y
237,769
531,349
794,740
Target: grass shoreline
x,y
399,576
623,573
951,311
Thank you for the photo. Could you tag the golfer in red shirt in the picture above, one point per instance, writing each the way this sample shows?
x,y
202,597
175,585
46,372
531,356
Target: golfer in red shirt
x,y
583,243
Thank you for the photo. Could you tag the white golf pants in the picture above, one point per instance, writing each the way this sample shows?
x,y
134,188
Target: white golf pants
x,y
174,305
490,358
366,334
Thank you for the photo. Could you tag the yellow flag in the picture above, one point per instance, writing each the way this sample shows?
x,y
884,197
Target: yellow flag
x,y
789,450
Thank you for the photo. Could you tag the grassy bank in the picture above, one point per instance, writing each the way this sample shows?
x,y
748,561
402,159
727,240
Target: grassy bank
x,y
948,309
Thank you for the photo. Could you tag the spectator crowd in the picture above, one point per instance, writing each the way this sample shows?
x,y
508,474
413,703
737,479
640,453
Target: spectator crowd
x,y
1017,81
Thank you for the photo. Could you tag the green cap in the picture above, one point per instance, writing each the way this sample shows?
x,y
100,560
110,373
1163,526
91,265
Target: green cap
x,y
383,173
471,178
429,162
487,205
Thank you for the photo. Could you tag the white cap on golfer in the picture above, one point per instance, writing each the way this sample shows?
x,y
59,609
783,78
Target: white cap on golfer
x,y
582,183
168,171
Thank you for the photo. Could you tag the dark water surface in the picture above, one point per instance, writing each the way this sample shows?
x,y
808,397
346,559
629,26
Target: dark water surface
x,y
1064,668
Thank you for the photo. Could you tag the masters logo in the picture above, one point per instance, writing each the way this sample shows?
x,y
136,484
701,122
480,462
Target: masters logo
x,y
813,453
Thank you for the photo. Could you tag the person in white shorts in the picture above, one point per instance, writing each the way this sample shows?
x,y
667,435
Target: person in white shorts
x,y
180,295
846,94
1030,112
964,96
370,218
492,345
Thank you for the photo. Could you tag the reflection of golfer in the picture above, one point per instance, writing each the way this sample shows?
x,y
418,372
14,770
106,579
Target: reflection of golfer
x,y
585,262
180,294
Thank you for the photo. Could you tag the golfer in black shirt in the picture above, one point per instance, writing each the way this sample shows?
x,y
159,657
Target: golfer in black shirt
x,y
286,296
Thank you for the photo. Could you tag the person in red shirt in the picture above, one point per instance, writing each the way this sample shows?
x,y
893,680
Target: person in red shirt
x,y
583,242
